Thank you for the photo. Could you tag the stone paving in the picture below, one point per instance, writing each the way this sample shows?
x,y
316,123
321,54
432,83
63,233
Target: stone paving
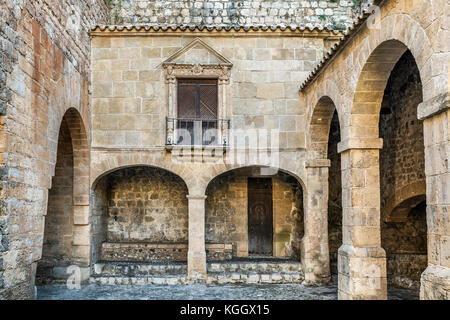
x,y
202,292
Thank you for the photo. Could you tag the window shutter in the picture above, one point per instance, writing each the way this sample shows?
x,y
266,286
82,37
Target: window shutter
x,y
197,99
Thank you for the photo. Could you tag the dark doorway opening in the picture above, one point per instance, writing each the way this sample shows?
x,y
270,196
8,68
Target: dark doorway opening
x,y
260,216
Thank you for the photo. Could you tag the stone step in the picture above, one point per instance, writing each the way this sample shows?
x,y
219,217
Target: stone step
x,y
142,269
282,267
125,269
213,278
235,277
144,280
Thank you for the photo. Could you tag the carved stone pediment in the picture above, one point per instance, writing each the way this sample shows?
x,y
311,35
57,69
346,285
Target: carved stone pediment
x,y
197,52
199,60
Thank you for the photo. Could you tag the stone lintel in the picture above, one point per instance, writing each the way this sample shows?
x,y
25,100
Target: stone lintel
x,y
360,143
317,163
434,106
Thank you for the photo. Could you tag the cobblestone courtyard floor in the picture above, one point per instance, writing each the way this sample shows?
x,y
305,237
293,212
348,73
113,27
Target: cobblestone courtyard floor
x,y
202,292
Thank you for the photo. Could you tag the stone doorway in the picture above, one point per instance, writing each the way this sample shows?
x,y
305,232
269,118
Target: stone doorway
x,y
260,216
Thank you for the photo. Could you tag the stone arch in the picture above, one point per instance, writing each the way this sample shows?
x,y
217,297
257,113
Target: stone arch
x,y
129,205
402,201
80,143
66,230
227,193
98,177
319,128
378,55
284,166
116,162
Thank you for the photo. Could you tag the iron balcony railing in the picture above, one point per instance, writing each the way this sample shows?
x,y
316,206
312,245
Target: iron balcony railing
x,y
197,132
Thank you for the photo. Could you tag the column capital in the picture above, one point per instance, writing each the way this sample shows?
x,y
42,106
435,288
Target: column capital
x,y
318,163
433,106
360,143
196,197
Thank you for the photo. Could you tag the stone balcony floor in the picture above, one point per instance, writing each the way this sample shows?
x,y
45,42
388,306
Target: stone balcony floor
x,y
202,292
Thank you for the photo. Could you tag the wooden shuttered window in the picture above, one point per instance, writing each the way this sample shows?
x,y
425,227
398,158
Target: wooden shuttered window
x,y
197,110
197,99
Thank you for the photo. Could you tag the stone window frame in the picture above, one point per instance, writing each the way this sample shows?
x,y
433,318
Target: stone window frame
x,y
175,71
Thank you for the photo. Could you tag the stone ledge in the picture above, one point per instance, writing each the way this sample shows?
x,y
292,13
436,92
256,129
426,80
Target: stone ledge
x,y
434,106
360,143
317,163
142,252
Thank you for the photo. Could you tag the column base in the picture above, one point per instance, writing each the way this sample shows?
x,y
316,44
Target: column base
x,y
435,283
315,261
196,266
362,273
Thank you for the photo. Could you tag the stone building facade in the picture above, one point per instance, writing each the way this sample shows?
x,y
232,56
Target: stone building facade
x,y
225,141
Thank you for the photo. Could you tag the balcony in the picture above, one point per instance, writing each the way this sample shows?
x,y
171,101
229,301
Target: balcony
x,y
197,132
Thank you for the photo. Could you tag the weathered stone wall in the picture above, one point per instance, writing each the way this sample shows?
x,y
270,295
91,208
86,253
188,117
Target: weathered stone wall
x,y
404,270
147,204
333,14
288,216
130,99
406,248
44,53
334,193
227,211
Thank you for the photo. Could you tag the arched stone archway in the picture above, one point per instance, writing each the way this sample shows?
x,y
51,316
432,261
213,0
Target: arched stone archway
x,y
402,177
66,230
228,212
323,136
139,214
361,177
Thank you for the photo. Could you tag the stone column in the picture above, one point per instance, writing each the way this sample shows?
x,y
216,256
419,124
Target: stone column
x,y
314,246
435,280
361,260
196,250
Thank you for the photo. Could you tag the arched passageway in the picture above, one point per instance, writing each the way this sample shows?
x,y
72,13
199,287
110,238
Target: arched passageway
x,y
255,215
402,176
325,189
66,229
140,214
334,193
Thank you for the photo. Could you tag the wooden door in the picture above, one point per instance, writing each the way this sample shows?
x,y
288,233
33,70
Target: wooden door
x,y
260,216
